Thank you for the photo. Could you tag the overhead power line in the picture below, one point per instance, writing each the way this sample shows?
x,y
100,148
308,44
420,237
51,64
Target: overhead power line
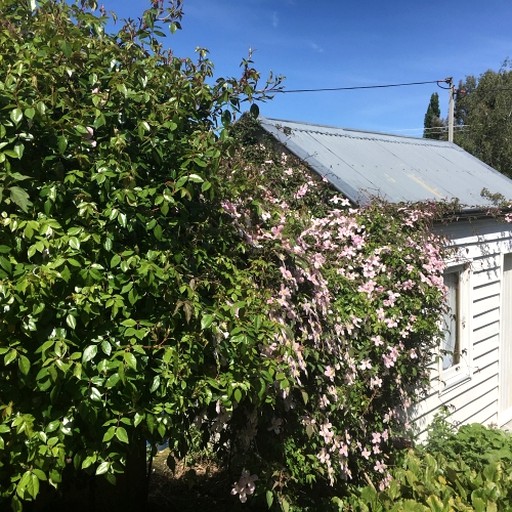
x,y
383,86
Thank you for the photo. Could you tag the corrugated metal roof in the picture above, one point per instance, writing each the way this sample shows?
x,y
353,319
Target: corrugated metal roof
x,y
364,165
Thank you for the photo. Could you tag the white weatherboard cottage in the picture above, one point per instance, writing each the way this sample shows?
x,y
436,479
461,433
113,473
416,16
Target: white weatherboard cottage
x,y
473,378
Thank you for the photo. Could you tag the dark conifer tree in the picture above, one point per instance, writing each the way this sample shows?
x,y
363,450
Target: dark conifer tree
x,y
433,124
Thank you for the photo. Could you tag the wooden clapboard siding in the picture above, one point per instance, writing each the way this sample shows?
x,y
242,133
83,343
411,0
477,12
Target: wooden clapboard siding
x,y
492,289
482,245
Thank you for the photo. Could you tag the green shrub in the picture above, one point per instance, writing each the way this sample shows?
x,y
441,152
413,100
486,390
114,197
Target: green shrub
x,y
116,263
463,471
473,444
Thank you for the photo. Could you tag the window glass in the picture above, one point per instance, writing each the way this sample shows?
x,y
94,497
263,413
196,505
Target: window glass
x,y
450,348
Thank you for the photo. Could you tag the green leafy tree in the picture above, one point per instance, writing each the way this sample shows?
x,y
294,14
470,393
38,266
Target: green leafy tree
x,y
483,113
433,124
114,258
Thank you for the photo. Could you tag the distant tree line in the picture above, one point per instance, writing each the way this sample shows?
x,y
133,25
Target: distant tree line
x,y
483,117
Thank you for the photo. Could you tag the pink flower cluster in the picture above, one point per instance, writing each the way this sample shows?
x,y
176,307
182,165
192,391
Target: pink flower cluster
x,y
352,295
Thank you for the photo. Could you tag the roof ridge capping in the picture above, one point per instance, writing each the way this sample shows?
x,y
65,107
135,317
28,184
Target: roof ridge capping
x,y
283,125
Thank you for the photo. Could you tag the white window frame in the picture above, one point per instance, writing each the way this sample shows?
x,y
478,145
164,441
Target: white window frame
x,y
460,370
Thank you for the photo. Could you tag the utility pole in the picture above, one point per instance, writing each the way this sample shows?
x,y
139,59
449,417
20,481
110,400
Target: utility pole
x,y
451,108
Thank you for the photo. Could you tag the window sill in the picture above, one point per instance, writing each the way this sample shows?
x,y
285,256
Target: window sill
x,y
453,378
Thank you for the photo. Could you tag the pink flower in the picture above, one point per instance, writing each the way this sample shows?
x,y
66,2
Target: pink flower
x,y
388,361
375,382
323,456
318,260
302,191
326,432
324,402
377,340
391,299
390,323
384,483
330,372
343,450
376,437
380,466
285,273
368,287
340,200
245,486
89,137
365,364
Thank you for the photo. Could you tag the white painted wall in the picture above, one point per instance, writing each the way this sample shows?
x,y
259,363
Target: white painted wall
x,y
483,245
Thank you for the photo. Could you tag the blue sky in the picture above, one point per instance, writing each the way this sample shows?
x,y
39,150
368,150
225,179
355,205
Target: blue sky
x,y
345,43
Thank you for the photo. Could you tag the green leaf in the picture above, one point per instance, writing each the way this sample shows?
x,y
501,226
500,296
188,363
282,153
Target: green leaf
x,y
137,419
18,151
95,394
206,321
89,461
39,473
106,347
122,89
5,264
16,115
116,259
89,353
270,498
254,111
10,357
74,243
20,197
71,321
30,112
155,384
112,381
103,468
41,108
122,435
109,434
28,486
158,232
62,144
131,361
23,364
16,504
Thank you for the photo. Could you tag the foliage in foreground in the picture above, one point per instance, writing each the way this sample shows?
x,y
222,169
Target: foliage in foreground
x,y
146,296
114,257
466,471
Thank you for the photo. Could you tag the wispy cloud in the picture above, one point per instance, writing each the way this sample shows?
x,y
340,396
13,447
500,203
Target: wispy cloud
x,y
275,19
316,47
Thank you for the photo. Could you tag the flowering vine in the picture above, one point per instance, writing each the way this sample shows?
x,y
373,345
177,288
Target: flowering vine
x,y
356,294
